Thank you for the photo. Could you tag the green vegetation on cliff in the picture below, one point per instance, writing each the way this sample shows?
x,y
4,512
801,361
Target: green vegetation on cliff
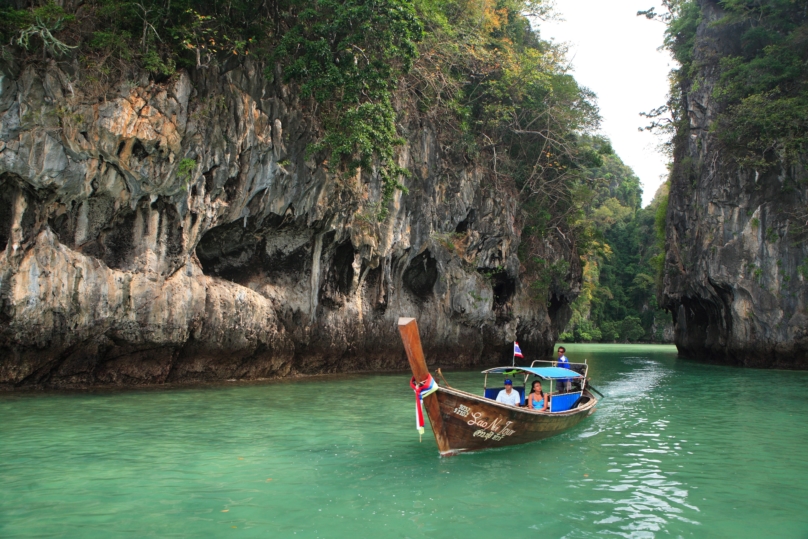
x,y
500,96
763,86
621,268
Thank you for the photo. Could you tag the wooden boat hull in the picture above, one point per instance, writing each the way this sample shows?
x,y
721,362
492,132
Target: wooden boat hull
x,y
463,421
472,423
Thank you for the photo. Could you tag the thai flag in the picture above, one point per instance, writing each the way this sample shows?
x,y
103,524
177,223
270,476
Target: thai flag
x,y
517,352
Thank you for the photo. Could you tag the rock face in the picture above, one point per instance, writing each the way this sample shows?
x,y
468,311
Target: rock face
x,y
179,231
735,270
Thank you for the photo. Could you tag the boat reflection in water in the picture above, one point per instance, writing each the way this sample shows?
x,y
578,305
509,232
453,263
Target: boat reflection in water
x,y
462,421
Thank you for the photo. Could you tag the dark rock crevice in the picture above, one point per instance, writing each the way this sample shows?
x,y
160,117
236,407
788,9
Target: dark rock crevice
x,y
339,280
420,276
504,287
7,199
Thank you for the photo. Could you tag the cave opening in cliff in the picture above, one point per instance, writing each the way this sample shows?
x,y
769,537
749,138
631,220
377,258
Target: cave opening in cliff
x,y
210,180
503,286
267,249
342,270
119,243
228,251
554,306
699,326
340,273
421,275
139,151
463,226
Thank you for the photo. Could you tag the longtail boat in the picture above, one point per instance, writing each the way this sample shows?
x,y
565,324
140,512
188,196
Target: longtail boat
x,y
463,421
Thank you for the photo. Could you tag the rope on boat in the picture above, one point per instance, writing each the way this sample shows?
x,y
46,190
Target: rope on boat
x,y
443,379
422,389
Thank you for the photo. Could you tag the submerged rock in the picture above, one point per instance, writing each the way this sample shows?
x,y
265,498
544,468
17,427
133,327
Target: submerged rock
x,y
180,231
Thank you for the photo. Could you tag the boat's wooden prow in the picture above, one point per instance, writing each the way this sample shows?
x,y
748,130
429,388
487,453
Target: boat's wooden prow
x,y
408,328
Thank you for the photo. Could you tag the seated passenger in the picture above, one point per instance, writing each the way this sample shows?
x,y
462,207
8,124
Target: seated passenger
x,y
538,399
508,395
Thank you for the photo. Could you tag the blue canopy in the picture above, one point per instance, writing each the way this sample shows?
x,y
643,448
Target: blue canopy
x,y
548,373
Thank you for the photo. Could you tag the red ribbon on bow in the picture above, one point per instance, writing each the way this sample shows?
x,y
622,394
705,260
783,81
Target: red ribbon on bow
x,y
418,388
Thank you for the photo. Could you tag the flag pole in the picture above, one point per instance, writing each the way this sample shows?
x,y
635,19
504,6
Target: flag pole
x,y
513,356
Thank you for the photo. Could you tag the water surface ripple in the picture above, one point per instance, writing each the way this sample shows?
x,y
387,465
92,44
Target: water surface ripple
x,y
677,449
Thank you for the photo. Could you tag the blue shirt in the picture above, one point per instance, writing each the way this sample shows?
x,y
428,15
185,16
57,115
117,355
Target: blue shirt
x,y
564,363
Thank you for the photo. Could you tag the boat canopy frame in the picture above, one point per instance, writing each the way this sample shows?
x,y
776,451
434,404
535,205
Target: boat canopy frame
x,y
549,372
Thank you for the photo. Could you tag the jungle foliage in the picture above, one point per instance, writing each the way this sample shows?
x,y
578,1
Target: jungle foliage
x,y
622,266
763,86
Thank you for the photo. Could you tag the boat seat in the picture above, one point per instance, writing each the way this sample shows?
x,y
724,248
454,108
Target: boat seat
x,y
563,402
492,392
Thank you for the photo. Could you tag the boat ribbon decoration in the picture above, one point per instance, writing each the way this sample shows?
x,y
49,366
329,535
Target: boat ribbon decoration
x,y
427,387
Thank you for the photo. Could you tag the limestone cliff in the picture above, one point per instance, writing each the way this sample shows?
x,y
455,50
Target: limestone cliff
x,y
178,231
734,275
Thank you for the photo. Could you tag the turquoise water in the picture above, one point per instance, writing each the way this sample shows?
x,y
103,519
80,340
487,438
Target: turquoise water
x,y
677,449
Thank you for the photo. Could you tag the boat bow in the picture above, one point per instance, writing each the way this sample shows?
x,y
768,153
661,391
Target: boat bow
x,y
408,328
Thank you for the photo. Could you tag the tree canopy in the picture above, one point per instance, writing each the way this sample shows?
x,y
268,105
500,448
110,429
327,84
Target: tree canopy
x,y
621,267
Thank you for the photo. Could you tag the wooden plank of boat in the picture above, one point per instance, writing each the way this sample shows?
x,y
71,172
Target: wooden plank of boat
x,y
471,422
462,421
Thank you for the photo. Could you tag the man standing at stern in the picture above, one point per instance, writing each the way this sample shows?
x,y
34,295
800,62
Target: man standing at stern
x,y
508,395
564,363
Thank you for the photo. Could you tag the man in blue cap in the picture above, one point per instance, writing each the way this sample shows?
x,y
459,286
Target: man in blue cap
x,y
508,395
